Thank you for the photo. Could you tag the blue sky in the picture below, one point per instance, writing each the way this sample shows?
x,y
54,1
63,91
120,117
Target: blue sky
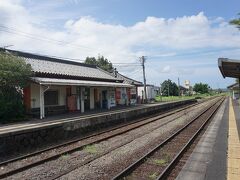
x,y
180,38
128,12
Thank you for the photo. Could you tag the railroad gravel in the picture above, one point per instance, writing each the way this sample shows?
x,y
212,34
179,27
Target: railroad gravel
x,y
109,165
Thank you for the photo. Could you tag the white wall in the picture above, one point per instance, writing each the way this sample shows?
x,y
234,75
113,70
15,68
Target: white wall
x,y
151,94
35,98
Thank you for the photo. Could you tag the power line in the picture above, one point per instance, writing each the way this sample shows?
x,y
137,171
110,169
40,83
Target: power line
x,y
15,31
37,37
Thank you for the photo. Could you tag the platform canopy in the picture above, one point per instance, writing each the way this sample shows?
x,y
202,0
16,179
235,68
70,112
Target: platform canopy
x,y
229,67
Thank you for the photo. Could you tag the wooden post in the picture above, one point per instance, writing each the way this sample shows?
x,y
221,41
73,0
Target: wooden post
x,y
239,88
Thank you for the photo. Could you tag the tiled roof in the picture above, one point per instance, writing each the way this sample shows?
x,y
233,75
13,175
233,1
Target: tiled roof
x,y
56,66
67,69
128,80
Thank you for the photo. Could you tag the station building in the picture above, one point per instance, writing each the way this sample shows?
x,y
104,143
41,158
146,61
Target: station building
x,y
60,85
131,92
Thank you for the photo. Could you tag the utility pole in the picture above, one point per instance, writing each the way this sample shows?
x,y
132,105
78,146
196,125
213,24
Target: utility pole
x,y
160,92
168,87
178,87
142,60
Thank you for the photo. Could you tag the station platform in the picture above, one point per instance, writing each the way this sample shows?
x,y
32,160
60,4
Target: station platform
x,y
20,138
217,154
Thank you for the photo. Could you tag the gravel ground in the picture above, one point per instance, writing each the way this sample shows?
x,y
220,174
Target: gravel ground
x,y
109,165
136,143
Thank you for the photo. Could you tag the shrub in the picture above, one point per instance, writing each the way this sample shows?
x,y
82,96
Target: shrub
x,y
14,75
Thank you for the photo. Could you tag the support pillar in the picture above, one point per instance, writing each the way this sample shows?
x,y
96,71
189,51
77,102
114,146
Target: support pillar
x,y
42,110
239,88
82,99
108,99
78,98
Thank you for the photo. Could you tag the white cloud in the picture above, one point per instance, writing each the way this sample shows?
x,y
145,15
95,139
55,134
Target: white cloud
x,y
88,37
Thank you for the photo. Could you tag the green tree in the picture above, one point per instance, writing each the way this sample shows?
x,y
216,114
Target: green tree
x,y
14,76
201,88
236,22
101,62
169,88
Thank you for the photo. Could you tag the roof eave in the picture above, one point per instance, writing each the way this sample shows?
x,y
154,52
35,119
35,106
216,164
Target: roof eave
x,y
220,60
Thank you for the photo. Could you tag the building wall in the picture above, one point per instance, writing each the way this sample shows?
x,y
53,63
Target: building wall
x,y
35,98
151,93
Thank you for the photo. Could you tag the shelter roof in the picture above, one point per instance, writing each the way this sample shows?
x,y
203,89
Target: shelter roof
x,y
128,80
54,81
235,85
229,67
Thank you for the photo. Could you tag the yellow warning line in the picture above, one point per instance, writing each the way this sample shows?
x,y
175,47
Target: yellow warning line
x,y
233,165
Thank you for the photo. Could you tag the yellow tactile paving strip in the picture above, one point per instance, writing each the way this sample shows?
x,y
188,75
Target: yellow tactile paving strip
x,y
233,164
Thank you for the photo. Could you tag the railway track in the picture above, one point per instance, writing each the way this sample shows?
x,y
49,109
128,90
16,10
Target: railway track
x,y
159,162
99,137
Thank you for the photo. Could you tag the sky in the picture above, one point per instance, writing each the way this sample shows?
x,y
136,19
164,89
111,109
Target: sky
x,y
180,39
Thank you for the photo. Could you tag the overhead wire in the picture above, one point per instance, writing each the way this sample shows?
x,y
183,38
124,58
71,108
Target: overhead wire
x,y
37,37
18,32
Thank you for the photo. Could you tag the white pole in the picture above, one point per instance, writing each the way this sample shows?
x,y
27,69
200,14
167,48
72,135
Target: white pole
x,y
41,102
82,99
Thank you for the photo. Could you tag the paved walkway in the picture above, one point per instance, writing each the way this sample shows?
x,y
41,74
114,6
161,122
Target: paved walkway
x,y
67,117
208,160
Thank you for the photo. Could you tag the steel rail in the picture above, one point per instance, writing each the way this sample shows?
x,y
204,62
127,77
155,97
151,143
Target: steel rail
x,y
28,166
134,165
176,159
3,163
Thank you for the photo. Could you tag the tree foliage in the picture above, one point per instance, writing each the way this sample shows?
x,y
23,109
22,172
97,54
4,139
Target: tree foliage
x,y
169,88
14,75
236,22
201,88
101,62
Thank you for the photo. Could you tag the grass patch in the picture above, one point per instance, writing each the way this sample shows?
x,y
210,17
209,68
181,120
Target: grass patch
x,y
172,98
90,149
179,98
64,156
160,162
153,176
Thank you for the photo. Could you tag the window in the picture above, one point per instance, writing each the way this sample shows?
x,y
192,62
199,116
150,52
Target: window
x,y
51,97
